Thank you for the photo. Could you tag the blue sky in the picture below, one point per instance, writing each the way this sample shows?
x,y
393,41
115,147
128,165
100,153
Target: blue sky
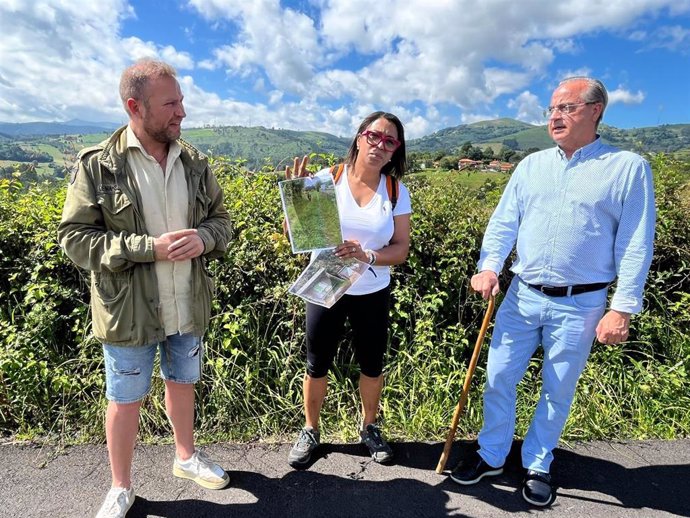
x,y
324,64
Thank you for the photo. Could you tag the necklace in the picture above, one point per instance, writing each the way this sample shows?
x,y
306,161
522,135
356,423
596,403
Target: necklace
x,y
161,160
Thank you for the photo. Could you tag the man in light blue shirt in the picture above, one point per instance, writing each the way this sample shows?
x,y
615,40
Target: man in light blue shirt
x,y
580,216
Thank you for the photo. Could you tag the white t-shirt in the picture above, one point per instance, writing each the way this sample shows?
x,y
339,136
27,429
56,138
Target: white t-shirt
x,y
371,225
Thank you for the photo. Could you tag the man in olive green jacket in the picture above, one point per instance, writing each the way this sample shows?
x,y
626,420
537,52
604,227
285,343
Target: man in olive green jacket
x,y
143,214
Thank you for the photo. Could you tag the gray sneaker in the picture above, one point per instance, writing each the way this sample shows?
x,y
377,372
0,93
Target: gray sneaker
x,y
379,449
306,443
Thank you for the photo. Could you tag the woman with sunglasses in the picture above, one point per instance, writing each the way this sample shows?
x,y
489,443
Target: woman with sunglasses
x,y
375,232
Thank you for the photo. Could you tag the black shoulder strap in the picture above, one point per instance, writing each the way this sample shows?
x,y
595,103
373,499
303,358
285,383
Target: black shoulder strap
x,y
392,188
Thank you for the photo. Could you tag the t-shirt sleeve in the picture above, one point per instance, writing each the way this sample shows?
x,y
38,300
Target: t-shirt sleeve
x,y
404,205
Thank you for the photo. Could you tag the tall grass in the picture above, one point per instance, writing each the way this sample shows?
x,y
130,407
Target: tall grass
x,y
51,381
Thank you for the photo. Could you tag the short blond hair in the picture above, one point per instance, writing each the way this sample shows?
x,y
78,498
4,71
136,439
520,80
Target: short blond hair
x,y
135,78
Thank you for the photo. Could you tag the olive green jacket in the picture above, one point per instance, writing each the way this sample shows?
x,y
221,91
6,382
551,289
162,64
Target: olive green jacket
x,y
103,230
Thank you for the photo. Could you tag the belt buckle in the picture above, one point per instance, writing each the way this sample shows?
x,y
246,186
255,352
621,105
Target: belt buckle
x,y
543,288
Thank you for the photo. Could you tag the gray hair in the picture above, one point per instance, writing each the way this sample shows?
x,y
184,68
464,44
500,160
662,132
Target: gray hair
x,y
135,78
595,92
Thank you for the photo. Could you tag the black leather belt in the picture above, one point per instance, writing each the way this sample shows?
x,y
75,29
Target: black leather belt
x,y
563,291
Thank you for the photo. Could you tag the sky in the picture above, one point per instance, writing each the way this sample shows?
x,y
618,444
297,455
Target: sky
x,y
323,65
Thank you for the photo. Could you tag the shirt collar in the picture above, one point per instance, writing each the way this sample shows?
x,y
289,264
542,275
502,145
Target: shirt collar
x,y
585,151
134,143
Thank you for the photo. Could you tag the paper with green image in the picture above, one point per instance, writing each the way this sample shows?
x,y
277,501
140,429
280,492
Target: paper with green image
x,y
311,211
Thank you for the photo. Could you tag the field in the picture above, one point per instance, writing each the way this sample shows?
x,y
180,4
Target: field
x,y
470,179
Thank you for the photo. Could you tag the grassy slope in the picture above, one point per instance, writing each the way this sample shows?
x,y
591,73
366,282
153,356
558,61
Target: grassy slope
x,y
470,179
260,146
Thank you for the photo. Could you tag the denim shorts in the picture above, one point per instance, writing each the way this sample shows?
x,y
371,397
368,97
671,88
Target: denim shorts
x,y
128,370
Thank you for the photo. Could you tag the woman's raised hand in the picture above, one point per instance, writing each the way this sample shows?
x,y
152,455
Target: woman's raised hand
x,y
299,168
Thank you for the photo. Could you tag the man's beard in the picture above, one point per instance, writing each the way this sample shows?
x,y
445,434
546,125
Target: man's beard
x,y
164,135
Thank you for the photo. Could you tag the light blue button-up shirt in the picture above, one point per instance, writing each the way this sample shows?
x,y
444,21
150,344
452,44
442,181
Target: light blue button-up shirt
x,y
579,221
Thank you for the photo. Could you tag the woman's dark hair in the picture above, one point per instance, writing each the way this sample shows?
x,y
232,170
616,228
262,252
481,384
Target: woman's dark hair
x,y
398,164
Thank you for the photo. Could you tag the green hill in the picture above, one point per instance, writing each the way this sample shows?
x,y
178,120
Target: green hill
x,y
533,136
673,138
259,146
450,139
668,138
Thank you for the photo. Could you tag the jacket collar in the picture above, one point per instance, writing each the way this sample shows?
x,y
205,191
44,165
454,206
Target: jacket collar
x,y
114,154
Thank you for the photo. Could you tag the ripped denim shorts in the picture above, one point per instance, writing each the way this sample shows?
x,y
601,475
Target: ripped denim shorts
x,y
128,370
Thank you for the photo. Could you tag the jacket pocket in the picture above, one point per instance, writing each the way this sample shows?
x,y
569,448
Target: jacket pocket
x,y
118,210
112,306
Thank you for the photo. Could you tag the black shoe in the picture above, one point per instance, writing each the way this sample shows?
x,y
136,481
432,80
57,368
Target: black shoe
x,y
378,447
306,443
472,469
537,488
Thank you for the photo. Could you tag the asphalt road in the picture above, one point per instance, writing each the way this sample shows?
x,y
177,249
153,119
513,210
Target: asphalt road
x,y
594,479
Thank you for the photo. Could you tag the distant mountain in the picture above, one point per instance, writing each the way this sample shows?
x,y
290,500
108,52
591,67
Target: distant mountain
x,y
72,127
260,146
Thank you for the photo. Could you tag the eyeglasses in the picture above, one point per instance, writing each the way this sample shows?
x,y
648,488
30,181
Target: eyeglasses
x,y
565,109
374,138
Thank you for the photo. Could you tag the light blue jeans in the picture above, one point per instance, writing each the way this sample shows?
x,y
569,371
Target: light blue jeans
x,y
565,327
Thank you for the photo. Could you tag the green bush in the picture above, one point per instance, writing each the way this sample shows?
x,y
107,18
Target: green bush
x,y
51,382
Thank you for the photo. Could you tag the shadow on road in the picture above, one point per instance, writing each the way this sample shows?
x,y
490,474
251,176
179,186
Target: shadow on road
x,y
655,487
308,493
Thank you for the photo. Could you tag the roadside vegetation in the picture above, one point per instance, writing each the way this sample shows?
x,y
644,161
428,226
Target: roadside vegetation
x,y
51,381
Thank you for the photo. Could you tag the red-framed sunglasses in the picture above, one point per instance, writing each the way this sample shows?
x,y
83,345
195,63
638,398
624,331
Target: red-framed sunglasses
x,y
374,138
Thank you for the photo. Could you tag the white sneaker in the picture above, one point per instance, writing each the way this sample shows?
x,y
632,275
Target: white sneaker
x,y
201,470
117,503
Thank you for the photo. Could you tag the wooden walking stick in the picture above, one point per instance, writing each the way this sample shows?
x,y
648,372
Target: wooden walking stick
x,y
466,387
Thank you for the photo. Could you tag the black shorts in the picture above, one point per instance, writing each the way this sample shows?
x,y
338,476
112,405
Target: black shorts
x,y
368,316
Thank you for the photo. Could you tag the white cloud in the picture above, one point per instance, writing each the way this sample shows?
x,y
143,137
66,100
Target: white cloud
x,y
207,64
527,108
275,97
180,60
440,57
323,67
566,46
674,38
57,56
281,43
62,60
621,95
416,126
